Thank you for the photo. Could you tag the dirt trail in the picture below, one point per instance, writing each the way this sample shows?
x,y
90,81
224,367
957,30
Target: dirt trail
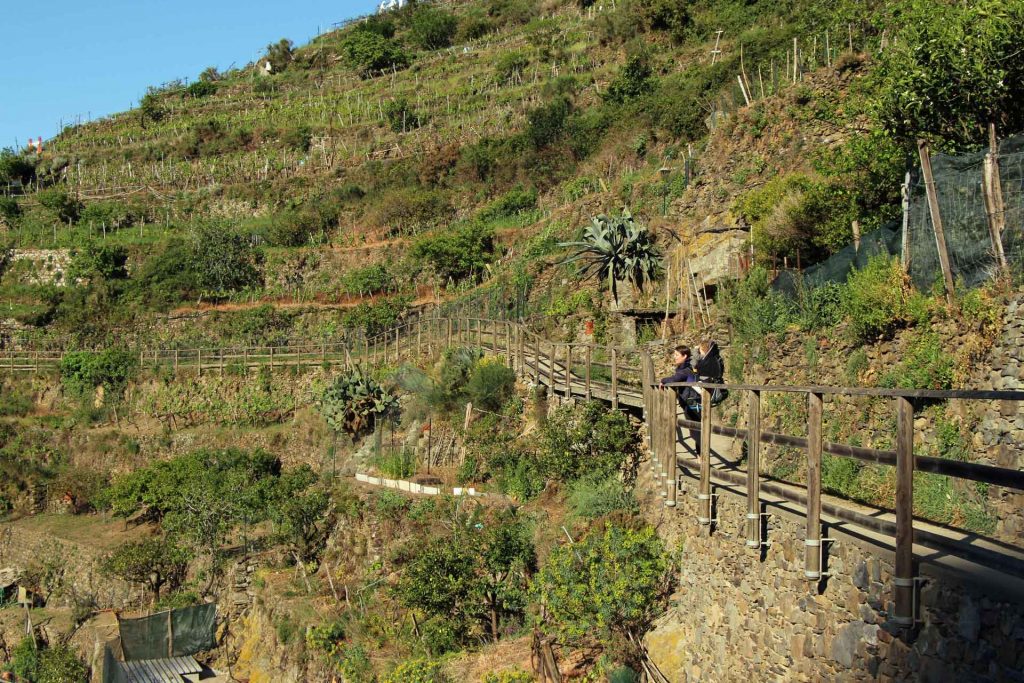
x,y
424,295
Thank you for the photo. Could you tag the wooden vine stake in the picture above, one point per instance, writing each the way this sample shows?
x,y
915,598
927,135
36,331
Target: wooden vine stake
x,y
933,209
994,206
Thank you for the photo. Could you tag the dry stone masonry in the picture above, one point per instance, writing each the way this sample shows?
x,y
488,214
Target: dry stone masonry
x,y
735,617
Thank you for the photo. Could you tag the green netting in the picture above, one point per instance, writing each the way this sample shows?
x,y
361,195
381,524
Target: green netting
x,y
169,634
965,221
885,240
112,671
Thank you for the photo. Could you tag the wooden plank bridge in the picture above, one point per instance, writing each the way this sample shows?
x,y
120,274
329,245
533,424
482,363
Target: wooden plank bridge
x,y
624,378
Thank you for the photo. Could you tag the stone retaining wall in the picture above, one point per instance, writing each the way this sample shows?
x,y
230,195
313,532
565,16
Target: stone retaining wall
x,y
737,618
71,570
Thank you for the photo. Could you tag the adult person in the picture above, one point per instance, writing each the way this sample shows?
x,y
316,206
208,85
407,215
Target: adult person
x,y
710,367
688,397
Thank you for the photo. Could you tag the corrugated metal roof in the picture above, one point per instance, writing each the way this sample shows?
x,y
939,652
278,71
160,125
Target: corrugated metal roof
x,y
169,670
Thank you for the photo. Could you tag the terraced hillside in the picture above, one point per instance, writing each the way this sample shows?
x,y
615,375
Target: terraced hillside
x,y
422,151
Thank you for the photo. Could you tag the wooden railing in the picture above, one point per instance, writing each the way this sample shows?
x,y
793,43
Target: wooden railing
x,y
663,422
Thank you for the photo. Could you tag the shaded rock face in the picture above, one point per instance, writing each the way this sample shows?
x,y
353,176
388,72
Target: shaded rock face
x,y
735,617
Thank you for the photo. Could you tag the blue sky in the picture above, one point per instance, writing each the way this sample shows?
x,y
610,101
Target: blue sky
x,y
65,60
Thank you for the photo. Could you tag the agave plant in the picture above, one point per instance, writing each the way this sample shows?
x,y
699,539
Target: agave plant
x,y
355,402
616,248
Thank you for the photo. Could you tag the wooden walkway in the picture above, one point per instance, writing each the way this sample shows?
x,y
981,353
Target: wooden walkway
x,y
624,378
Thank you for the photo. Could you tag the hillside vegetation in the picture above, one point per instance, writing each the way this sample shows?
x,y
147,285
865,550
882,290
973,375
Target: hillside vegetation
x,y
563,163
440,136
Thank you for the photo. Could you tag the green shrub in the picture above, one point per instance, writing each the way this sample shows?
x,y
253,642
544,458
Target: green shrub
x,y
433,28
367,280
610,584
201,88
98,260
396,463
411,210
16,167
586,129
956,68
546,123
855,365
298,138
448,393
634,79
63,205
82,371
755,310
926,364
391,505
18,400
588,440
53,664
876,298
150,107
371,53
491,384
9,208
401,116
820,307
222,261
166,276
280,54
417,671
109,215
474,26
510,66
380,24
514,202
373,318
456,254
592,497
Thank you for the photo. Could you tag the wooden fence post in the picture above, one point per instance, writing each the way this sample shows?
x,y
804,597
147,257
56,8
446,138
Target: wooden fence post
x,y
903,576
669,422
905,235
812,543
589,358
704,493
933,209
520,349
615,378
199,362
754,469
568,370
996,209
652,439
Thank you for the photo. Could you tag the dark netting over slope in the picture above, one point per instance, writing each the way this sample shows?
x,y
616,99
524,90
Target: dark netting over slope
x,y
961,198
958,187
169,634
885,240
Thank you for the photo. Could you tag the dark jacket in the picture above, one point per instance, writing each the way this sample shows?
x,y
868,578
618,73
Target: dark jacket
x,y
711,366
683,373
